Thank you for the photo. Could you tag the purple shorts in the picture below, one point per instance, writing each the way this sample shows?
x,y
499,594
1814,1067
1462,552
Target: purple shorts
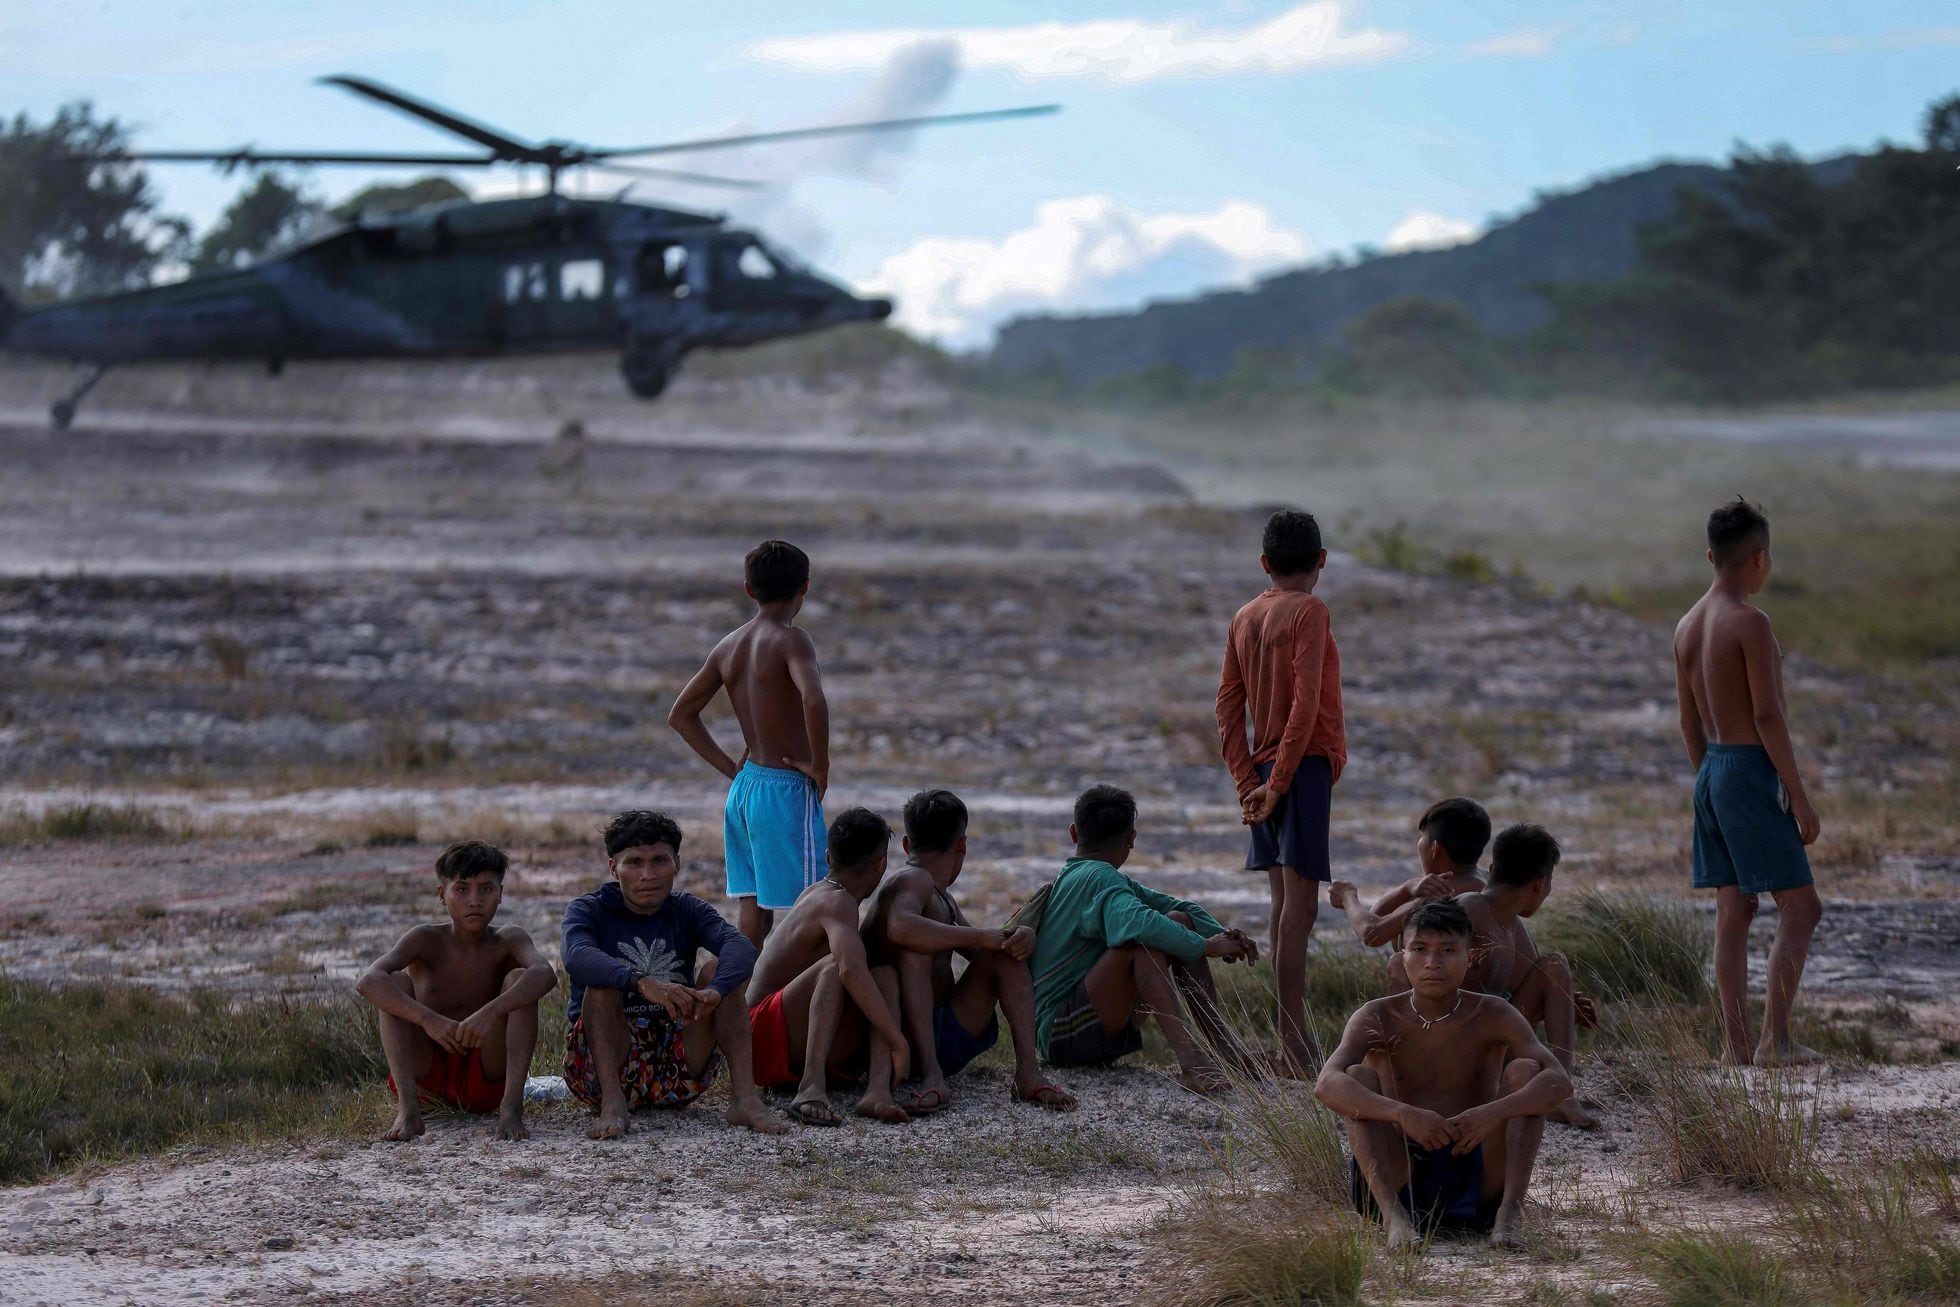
x,y
1296,834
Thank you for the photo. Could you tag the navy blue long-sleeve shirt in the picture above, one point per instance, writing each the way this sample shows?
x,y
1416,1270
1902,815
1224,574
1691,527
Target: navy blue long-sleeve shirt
x,y
607,944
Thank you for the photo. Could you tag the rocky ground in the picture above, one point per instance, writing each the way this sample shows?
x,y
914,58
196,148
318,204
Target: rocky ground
x,y
306,653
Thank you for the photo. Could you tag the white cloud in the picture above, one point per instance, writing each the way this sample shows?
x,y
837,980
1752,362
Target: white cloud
x,y
1525,42
1085,252
1117,49
1908,38
1425,229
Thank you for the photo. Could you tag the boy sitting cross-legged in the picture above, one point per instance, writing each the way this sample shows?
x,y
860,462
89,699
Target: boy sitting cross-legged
x,y
912,922
1110,951
645,1028
819,993
1445,1092
459,1001
1450,838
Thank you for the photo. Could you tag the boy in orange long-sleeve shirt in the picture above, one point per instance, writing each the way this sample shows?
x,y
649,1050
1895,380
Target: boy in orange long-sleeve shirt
x,y
1283,669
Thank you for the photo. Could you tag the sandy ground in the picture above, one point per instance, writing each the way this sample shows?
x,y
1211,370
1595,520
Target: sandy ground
x,y
299,643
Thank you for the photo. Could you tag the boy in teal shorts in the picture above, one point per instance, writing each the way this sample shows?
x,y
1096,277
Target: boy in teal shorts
x,y
1752,817
772,826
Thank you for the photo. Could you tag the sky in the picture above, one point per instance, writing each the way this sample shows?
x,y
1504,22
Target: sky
x,y
1201,143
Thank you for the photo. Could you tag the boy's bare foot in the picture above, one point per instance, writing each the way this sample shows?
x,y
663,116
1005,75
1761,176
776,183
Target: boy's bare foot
x,y
1573,1112
1042,1094
1792,1054
408,1125
882,1109
753,1115
1288,1067
1504,1233
1402,1235
610,1125
1204,1080
510,1125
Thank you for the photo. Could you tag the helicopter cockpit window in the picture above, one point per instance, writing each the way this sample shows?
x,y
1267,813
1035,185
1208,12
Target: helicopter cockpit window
x,y
663,270
755,264
582,279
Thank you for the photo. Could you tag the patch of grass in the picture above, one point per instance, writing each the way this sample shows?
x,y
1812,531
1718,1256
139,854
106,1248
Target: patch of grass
x,y
1716,1270
86,821
1624,944
103,1070
1868,1235
1279,1122
1261,1251
1340,977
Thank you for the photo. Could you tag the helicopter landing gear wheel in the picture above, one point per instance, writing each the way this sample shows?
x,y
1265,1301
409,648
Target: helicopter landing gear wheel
x,y
62,414
648,367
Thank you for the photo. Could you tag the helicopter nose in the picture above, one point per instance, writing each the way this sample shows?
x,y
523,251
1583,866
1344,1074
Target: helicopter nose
x,y
878,310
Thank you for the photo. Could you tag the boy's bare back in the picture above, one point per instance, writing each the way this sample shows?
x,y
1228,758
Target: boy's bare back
x,y
1712,648
765,665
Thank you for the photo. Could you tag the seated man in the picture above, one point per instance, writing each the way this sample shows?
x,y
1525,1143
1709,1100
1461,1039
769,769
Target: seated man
x,y
913,923
646,1029
459,1001
1505,962
1109,950
1450,838
1445,1092
819,993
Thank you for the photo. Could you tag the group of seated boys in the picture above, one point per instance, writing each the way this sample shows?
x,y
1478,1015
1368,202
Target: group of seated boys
x,y
1443,1082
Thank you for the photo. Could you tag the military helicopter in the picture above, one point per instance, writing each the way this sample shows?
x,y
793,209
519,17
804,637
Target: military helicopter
x,y
476,278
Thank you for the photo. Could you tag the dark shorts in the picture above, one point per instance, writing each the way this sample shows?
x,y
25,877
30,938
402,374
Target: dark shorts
x,y
1444,1194
1077,1037
655,1071
954,1044
1744,833
1296,834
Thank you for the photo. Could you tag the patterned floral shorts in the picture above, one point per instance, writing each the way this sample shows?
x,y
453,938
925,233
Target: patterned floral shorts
x,y
655,1071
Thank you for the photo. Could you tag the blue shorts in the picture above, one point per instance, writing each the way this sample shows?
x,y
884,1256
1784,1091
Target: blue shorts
x,y
772,833
1744,833
954,1044
1296,834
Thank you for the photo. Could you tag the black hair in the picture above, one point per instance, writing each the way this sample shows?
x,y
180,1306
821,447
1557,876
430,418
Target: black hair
x,y
639,826
1522,854
776,570
1441,917
857,838
1736,530
1292,543
1103,815
467,858
1460,825
934,820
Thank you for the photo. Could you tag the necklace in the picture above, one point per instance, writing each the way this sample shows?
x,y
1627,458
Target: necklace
x,y
1427,1021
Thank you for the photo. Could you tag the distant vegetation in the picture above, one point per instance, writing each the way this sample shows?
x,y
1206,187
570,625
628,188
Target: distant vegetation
x,y
1768,279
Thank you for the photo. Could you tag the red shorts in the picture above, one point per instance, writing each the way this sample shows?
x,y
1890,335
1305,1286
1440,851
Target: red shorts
x,y
769,1041
458,1080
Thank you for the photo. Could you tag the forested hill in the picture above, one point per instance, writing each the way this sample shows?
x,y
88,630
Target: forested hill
x,y
1581,235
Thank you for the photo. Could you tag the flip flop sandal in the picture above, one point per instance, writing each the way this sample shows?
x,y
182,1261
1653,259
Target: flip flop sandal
x,y
815,1111
1065,1104
925,1102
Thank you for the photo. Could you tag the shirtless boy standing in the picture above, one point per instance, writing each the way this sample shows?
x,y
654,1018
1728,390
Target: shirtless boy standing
x,y
1752,817
913,923
772,824
1450,839
817,991
459,1001
1506,962
1283,670
1445,1092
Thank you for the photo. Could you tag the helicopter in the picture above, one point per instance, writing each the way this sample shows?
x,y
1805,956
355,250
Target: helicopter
x,y
544,273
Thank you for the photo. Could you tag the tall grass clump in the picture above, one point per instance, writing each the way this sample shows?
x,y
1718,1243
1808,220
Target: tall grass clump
x,y
1624,944
1752,1129
1340,978
1716,1270
1261,1251
1874,1234
102,1070
84,821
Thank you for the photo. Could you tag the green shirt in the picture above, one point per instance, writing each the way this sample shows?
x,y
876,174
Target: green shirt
x,y
1094,908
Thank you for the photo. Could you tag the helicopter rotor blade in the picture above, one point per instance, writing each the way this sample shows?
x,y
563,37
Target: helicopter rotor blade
x,y
250,158
504,145
671,174
838,129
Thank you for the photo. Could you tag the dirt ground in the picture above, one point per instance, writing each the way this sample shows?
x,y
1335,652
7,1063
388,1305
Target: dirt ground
x,y
314,650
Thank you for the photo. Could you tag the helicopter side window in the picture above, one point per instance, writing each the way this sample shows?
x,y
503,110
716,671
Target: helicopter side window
x,y
582,279
513,283
754,264
663,271
536,282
